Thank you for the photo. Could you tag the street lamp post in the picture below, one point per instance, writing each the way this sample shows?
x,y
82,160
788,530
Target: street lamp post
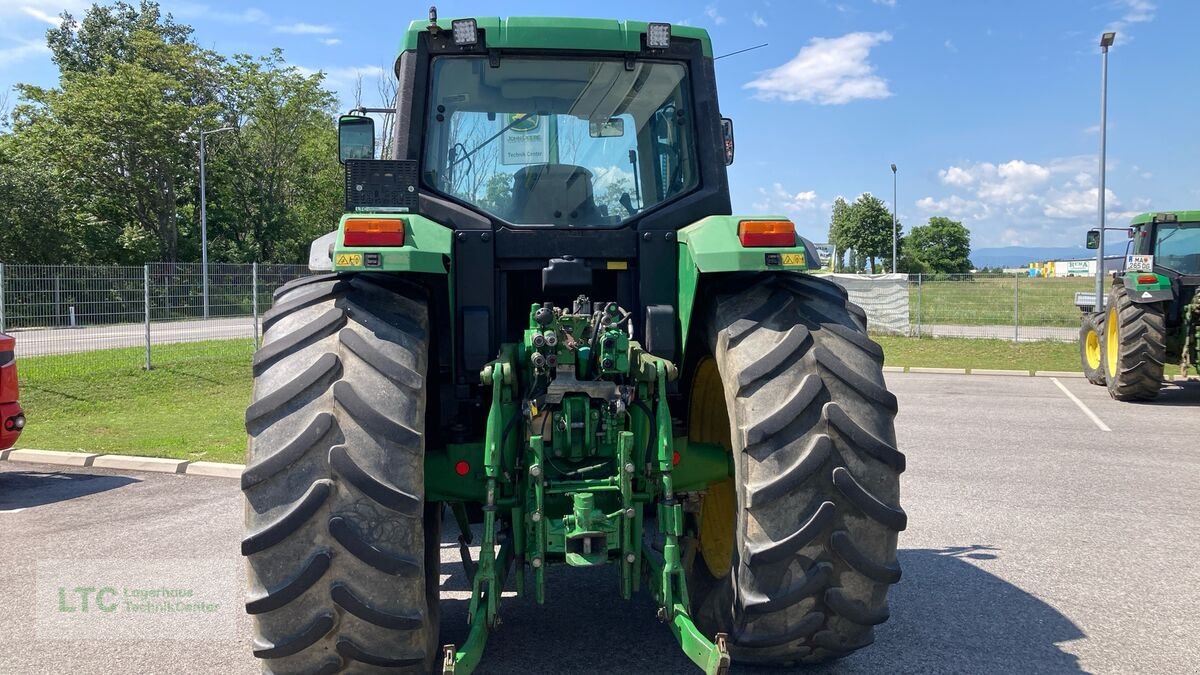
x,y
894,219
1106,41
204,220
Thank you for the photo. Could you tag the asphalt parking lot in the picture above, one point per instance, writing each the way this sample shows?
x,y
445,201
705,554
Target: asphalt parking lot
x,y
1038,542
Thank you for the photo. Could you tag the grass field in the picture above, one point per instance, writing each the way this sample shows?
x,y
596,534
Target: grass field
x,y
978,353
190,406
986,301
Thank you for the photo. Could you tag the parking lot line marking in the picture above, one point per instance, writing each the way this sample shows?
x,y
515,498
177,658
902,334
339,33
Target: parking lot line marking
x,y
1086,410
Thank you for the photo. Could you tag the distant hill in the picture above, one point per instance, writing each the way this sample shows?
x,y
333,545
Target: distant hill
x,y
1021,256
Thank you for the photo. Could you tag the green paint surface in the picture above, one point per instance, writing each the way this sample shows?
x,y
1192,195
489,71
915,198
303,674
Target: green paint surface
x,y
565,33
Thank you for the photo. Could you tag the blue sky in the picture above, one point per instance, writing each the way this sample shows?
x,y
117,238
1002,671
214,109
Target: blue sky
x,y
988,108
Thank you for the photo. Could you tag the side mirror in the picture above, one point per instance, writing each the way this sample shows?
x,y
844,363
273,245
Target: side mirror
x,y
1093,239
727,137
356,137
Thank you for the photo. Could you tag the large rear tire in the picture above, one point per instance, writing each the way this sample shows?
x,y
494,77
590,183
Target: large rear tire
x,y
1135,347
341,548
816,509
1091,355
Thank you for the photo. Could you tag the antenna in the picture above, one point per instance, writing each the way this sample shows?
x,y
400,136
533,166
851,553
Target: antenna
x,y
741,51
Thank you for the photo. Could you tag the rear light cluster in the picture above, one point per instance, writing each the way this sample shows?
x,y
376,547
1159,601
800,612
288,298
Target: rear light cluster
x,y
373,232
760,233
1147,279
15,423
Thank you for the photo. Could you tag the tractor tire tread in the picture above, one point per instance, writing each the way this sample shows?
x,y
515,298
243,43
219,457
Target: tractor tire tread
x,y
817,470
341,573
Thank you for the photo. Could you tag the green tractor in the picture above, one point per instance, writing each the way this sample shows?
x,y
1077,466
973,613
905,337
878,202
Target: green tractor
x,y
1152,313
538,318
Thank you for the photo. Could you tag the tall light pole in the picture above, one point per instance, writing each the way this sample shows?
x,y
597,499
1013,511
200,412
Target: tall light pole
x,y
894,219
1106,41
204,219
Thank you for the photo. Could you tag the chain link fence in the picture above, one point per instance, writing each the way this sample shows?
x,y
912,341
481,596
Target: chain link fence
x,y
119,315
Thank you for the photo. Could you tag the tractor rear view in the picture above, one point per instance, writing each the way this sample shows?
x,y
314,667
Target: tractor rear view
x,y
539,318
1151,316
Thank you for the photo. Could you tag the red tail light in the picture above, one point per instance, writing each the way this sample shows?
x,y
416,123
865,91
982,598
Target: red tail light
x,y
759,233
1147,279
374,232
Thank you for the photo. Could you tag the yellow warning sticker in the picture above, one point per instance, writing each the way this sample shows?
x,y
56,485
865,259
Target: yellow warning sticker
x,y
348,260
793,259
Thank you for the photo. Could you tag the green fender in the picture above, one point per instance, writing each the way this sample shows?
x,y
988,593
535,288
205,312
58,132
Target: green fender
x,y
1159,291
711,245
427,247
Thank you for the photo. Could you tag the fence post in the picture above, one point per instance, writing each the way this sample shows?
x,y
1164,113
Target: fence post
x,y
146,290
1,297
1016,308
58,313
920,293
254,299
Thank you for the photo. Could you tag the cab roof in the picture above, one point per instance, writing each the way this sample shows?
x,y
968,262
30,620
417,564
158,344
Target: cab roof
x,y
1182,216
532,32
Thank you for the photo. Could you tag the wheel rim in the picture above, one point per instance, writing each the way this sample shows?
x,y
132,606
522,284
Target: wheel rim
x,y
1091,349
1112,342
708,422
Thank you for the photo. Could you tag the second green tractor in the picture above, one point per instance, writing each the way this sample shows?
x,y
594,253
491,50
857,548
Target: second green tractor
x,y
1151,316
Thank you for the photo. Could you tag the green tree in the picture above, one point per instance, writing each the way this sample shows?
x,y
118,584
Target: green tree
x,y
275,184
105,37
122,141
941,246
840,232
865,229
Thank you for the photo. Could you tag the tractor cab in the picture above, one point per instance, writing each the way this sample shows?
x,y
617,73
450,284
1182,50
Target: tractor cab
x,y
1172,238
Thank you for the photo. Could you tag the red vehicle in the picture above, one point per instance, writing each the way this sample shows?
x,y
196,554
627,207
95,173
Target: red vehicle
x,y
12,418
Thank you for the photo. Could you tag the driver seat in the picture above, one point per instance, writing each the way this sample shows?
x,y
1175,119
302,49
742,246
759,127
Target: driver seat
x,y
553,194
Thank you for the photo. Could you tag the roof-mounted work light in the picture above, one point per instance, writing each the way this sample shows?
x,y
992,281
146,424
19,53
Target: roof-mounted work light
x,y
466,32
658,35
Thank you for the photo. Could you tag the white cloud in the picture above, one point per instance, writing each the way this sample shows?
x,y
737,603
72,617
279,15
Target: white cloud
x,y
778,200
605,176
1023,202
713,15
957,176
24,50
304,29
827,71
41,15
1077,204
757,20
330,42
950,47
953,206
885,3
1133,12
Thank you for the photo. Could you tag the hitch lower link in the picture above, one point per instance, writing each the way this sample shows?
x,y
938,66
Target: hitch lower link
x,y
666,575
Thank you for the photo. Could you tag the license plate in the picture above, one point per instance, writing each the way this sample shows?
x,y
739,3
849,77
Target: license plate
x,y
793,259
348,260
1140,263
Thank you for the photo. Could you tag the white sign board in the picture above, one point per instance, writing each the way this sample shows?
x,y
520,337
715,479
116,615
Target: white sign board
x,y
527,141
1139,263
1080,268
